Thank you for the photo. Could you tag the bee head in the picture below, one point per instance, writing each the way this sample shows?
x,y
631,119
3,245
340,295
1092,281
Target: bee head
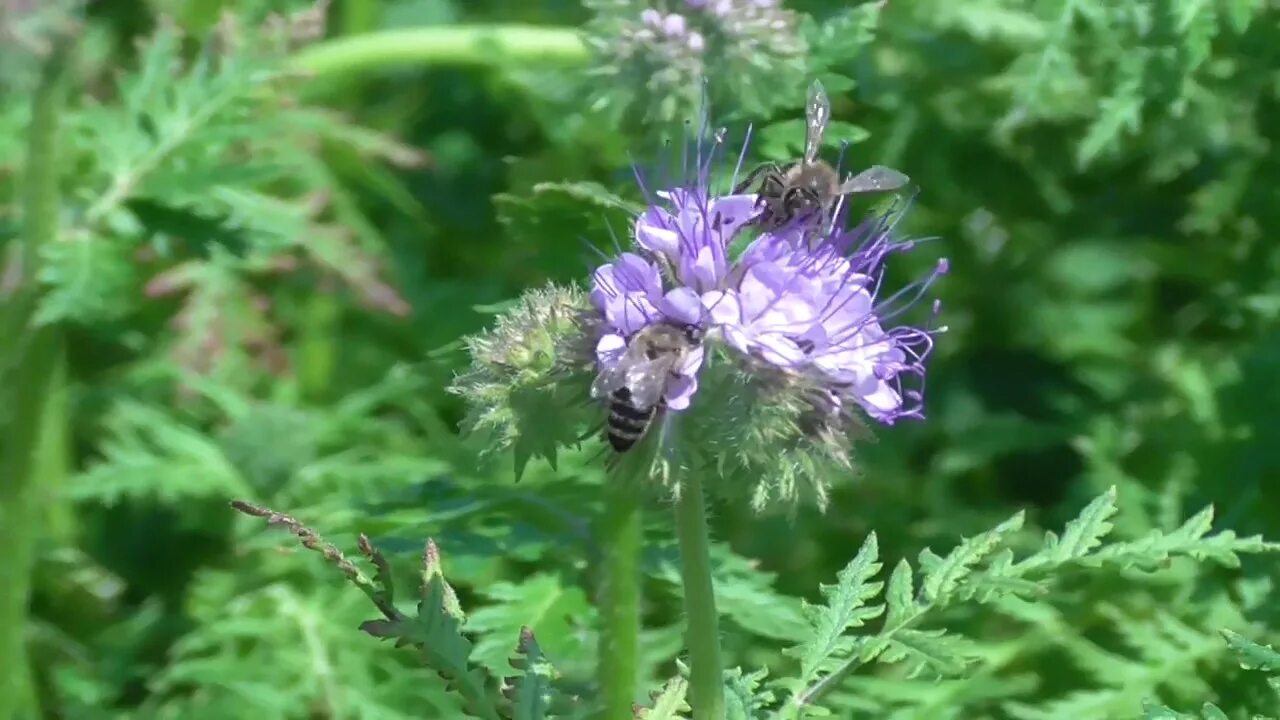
x,y
694,334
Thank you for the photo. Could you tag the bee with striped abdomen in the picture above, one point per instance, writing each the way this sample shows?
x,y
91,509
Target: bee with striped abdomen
x,y
635,384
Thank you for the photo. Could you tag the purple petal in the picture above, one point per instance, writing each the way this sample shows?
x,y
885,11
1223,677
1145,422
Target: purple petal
x,y
879,398
682,305
654,235
692,362
704,269
723,307
731,212
780,350
680,390
635,273
631,313
737,338
788,314
759,288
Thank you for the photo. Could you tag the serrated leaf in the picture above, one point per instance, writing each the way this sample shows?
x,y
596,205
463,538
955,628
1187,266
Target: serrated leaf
x,y
1153,711
559,614
846,608
530,691
941,576
900,595
744,699
591,192
668,704
1117,115
840,38
1212,712
87,280
1082,534
936,652
1252,656
149,454
437,635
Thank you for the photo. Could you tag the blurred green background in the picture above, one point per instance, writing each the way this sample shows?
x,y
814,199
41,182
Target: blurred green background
x,y
259,285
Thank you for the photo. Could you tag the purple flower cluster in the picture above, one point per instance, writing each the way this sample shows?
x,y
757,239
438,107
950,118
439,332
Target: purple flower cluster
x,y
801,300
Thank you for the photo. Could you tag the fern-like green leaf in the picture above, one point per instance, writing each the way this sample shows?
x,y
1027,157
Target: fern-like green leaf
x,y
148,453
981,569
1152,711
846,608
437,634
900,594
530,692
668,704
90,280
1082,534
744,697
560,614
942,575
1252,655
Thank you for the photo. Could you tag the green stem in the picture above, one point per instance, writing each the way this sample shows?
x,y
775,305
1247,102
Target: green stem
x,y
318,344
622,534
53,463
702,636
32,362
357,16
443,45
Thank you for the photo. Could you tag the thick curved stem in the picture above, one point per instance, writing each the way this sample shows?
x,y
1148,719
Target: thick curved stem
x,y
33,370
443,45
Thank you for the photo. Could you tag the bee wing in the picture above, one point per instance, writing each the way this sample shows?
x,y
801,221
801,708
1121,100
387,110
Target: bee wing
x,y
609,379
648,380
817,113
876,178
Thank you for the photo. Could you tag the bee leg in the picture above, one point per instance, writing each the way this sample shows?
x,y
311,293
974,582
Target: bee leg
x,y
770,167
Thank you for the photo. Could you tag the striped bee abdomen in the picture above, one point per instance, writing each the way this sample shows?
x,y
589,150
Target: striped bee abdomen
x,y
627,423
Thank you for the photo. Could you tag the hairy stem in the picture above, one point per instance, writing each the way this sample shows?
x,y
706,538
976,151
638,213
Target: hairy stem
x,y
31,362
443,45
702,635
621,534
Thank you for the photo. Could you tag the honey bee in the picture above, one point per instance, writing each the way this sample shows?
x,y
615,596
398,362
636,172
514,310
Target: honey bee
x,y
635,384
810,185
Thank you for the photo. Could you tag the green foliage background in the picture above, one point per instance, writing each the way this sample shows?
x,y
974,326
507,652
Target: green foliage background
x,y
262,279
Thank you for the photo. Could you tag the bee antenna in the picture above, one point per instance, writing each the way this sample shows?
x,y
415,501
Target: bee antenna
x,y
742,156
844,146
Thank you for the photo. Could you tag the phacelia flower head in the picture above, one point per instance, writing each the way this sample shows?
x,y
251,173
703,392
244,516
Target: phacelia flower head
x,y
791,341
809,338
656,55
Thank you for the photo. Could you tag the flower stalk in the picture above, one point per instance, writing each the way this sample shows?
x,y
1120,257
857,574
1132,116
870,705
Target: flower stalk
x,y
32,362
702,631
443,45
622,534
